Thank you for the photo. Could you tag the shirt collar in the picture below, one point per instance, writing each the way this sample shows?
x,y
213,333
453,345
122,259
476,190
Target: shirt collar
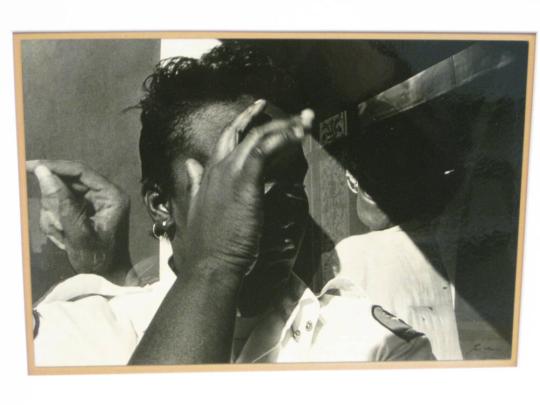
x,y
266,334
297,310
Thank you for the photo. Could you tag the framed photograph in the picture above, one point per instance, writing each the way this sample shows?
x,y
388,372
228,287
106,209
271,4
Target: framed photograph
x,y
260,201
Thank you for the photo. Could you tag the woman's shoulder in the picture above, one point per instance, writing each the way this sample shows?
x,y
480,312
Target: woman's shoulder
x,y
366,241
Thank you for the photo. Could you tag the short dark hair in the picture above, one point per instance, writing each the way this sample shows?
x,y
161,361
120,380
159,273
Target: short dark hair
x,y
180,86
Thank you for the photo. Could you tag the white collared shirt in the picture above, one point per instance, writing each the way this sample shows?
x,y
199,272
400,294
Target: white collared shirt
x,y
86,320
401,271
332,328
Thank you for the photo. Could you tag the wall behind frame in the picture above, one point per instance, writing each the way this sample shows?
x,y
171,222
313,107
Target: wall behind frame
x,y
75,93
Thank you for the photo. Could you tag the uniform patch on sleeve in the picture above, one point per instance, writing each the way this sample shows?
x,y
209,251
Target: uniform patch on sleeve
x,y
395,325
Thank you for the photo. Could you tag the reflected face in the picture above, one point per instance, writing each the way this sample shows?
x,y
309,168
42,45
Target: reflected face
x,y
370,214
367,210
285,200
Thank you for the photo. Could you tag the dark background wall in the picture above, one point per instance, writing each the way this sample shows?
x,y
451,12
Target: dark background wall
x,y
75,94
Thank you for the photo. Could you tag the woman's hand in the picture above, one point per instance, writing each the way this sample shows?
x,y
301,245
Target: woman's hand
x,y
84,214
225,218
195,322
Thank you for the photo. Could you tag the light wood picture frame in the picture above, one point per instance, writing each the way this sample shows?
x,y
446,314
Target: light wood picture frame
x,y
496,68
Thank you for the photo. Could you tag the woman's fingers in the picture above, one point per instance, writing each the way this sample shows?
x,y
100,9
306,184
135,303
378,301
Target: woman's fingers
x,y
80,182
264,142
229,138
49,184
244,119
75,172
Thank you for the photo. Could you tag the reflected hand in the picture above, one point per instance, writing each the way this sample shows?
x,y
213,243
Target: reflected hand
x,y
84,214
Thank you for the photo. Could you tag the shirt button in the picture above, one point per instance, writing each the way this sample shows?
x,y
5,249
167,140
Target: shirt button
x,y
297,333
309,325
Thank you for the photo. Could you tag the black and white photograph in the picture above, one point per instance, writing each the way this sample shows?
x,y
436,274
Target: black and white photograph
x,y
246,199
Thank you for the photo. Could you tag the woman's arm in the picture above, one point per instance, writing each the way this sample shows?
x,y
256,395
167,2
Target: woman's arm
x,y
195,322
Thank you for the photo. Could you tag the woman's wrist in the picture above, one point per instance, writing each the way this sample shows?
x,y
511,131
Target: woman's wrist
x,y
214,270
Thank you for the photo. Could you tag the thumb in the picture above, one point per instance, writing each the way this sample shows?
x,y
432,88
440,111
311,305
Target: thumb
x,y
195,172
49,184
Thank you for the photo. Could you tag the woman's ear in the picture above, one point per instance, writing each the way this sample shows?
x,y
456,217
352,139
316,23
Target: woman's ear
x,y
157,204
159,208
355,188
352,183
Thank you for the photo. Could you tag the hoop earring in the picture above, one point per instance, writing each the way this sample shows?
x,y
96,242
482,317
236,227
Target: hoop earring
x,y
160,231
